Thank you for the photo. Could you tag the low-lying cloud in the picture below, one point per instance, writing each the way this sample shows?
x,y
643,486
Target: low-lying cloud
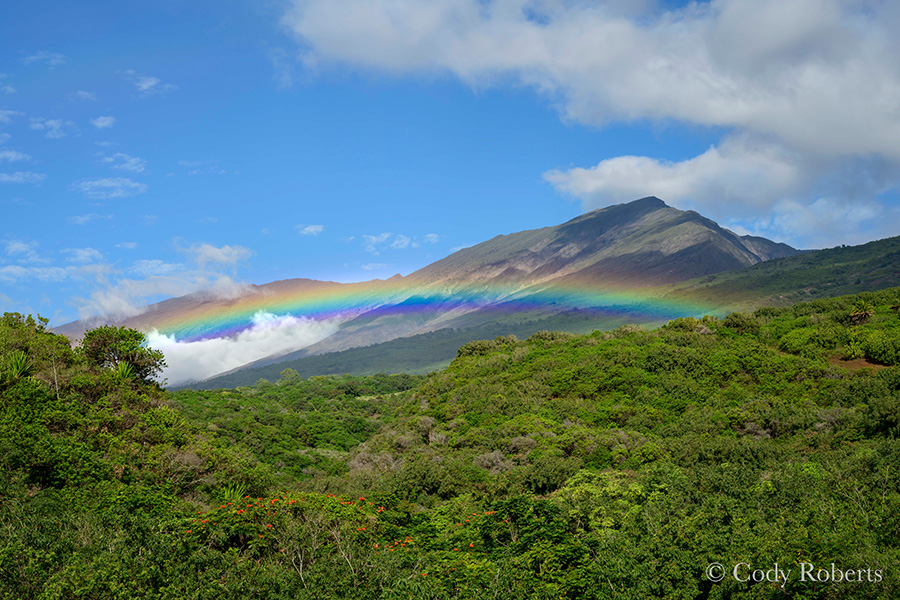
x,y
269,335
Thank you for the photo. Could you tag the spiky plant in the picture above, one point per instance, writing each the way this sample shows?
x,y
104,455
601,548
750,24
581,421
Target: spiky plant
x,y
18,365
861,312
233,492
124,372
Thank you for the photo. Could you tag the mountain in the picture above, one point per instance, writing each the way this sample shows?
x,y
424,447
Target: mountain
x,y
644,242
778,282
607,265
625,247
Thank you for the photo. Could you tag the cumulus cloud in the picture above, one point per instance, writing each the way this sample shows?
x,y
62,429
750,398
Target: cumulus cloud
x,y
125,162
103,122
801,87
268,335
737,175
22,177
818,73
109,187
310,229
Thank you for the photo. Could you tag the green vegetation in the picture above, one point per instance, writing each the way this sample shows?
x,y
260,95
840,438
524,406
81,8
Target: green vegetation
x,y
807,276
609,465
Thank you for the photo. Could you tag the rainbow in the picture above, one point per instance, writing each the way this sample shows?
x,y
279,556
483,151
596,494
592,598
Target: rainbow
x,y
205,318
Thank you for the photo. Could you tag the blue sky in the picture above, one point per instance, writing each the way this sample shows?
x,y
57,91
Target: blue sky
x,y
152,150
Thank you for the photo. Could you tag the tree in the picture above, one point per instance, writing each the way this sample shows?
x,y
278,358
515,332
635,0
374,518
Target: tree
x,y
108,347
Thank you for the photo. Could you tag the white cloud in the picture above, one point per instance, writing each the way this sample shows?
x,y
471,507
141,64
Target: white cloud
x,y
801,88
147,85
375,266
737,176
127,245
819,74
372,242
7,89
203,254
85,219
51,59
22,177
125,162
83,95
401,241
269,334
4,137
827,222
23,251
126,297
6,115
395,241
310,229
103,122
13,156
155,267
109,187
18,273
82,255
52,128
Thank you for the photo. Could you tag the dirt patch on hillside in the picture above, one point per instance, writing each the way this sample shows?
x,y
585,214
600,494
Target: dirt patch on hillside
x,y
854,365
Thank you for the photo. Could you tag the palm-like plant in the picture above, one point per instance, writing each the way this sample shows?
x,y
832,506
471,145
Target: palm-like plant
x,y
861,312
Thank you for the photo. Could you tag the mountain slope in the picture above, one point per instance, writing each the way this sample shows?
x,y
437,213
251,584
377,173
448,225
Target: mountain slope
x,y
616,257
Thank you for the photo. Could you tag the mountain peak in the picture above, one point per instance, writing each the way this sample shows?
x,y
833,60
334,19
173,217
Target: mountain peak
x,y
649,201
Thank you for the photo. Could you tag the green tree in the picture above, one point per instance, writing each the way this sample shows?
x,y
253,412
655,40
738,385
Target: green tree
x,y
108,347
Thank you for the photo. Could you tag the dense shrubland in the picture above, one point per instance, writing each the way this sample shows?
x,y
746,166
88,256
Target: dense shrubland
x,y
611,465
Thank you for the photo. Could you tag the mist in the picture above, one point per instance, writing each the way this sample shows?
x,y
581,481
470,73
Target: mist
x,y
269,334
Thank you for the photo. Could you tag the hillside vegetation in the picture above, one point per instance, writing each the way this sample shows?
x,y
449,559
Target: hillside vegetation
x,y
814,274
608,465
